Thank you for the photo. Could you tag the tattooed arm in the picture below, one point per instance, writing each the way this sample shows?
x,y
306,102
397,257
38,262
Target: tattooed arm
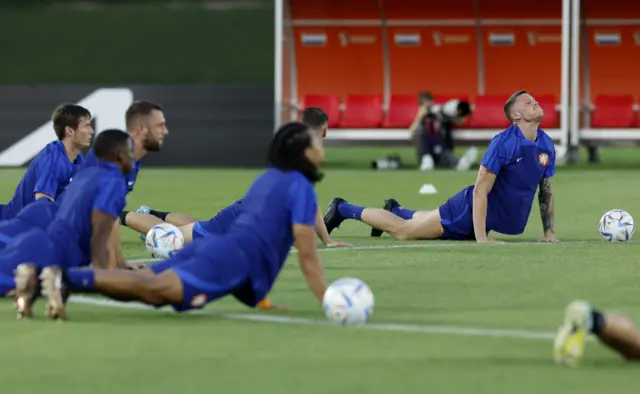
x,y
545,198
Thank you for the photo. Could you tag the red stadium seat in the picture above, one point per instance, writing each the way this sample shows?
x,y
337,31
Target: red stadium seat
x,y
329,103
613,111
489,113
402,110
362,111
548,104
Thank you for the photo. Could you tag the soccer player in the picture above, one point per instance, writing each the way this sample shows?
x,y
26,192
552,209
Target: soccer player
x,y
191,228
79,235
52,169
147,128
518,161
614,330
244,262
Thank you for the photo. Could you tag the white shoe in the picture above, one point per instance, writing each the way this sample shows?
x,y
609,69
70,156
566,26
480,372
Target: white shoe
x,y
468,159
568,347
427,163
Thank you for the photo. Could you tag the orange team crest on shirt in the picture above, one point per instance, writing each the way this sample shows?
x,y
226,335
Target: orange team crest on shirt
x,y
543,159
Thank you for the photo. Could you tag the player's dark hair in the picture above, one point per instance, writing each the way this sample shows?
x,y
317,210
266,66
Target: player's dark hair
x,y
140,108
110,143
508,106
287,151
424,96
314,117
68,115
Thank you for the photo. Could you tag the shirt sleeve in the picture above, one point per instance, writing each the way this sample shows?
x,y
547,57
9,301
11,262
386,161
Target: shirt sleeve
x,y
496,156
48,176
303,203
111,197
551,168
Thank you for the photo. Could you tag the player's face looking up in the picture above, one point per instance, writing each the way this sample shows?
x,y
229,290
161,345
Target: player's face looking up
x,y
527,109
155,130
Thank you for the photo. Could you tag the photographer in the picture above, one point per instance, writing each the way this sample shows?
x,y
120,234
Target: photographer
x,y
432,132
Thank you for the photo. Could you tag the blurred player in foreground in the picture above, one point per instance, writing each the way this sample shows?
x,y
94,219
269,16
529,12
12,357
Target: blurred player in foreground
x,y
244,262
192,228
614,330
518,161
52,169
79,235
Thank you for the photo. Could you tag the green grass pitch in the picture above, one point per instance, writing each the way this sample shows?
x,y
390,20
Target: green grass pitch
x,y
449,317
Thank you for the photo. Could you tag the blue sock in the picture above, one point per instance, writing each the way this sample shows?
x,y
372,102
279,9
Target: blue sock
x,y
81,279
349,211
404,213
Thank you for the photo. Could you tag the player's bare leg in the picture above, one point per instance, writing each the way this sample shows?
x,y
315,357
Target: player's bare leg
x,y
177,219
614,330
422,224
139,222
121,285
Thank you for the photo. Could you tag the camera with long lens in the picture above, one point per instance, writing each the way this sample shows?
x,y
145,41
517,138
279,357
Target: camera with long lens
x,y
452,111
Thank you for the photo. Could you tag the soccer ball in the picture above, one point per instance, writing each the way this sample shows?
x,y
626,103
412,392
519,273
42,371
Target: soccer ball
x,y
164,241
348,301
616,226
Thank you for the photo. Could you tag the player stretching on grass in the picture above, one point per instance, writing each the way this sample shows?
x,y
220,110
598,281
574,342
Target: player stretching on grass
x,y
79,234
518,161
192,228
614,330
52,169
244,262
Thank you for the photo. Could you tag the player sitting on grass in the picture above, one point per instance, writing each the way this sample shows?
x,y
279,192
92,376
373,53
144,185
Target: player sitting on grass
x,y
52,169
614,330
79,234
191,228
244,262
517,162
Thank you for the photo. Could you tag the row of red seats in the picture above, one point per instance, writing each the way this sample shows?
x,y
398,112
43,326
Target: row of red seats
x,y
365,111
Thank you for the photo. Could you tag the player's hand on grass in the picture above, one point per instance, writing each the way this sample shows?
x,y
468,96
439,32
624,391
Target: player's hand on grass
x,y
549,237
335,244
489,241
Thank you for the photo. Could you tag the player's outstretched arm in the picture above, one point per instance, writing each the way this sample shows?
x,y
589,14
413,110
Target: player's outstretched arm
x,y
101,227
310,264
116,259
323,233
484,184
546,201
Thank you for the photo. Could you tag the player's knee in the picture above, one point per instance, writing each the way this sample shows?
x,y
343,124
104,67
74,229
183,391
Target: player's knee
x,y
403,232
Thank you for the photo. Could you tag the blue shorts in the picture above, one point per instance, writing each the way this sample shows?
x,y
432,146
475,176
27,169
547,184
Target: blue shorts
x,y
218,224
211,269
3,213
457,216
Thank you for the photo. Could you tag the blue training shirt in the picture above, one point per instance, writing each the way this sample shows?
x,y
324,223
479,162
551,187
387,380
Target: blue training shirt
x,y
92,160
98,188
49,173
264,227
519,165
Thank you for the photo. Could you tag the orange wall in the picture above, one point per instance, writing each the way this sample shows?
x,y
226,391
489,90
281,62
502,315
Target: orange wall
x,y
446,59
